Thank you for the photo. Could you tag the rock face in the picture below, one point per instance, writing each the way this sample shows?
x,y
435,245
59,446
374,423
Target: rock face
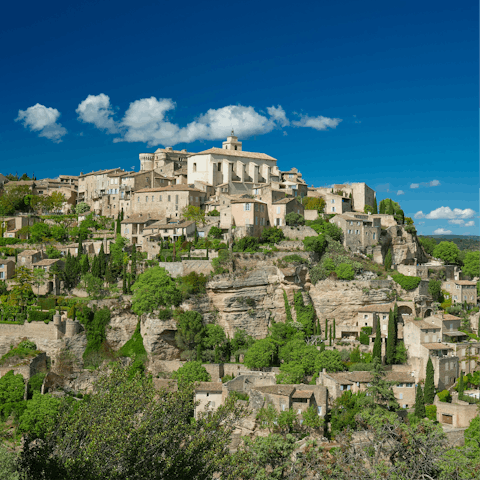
x,y
122,326
159,337
405,247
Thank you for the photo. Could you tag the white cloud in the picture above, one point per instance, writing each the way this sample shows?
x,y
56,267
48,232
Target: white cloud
x,y
434,183
471,223
400,192
96,109
442,231
447,213
318,123
44,120
457,221
278,115
414,185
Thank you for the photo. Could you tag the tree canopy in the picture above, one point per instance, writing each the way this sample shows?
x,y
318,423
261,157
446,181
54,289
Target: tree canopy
x,y
447,251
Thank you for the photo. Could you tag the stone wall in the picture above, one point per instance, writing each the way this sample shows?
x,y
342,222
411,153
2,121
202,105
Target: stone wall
x,y
179,269
459,413
37,332
28,367
259,260
298,233
310,214
290,245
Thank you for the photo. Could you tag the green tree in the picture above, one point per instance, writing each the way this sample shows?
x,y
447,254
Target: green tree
x,y
314,203
447,251
429,393
215,338
435,289
192,372
345,271
420,403
190,331
291,373
8,464
471,264
102,262
428,244
315,244
294,219
391,339
331,360
82,208
460,385
379,392
215,232
272,235
194,214
39,232
261,354
344,411
53,252
401,354
39,417
129,430
153,289
84,265
12,390
377,345
388,260
375,209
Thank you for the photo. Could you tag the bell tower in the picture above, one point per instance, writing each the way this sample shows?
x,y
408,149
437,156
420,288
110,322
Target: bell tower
x,y
232,143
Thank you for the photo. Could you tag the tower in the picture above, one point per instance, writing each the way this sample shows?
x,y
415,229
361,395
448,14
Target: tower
x,y
232,143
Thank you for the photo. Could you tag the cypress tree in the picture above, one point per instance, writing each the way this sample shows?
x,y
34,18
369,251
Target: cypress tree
x,y
102,262
124,284
330,336
80,247
322,347
334,330
429,392
109,274
377,345
288,310
134,263
96,272
420,403
319,328
388,260
396,318
119,227
375,208
85,265
391,340
382,207
461,386
326,329
315,329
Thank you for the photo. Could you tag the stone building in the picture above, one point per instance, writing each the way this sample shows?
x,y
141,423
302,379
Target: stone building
x,y
461,291
11,226
132,226
166,202
249,216
231,165
209,395
359,231
170,231
279,209
166,160
7,269
28,257
356,195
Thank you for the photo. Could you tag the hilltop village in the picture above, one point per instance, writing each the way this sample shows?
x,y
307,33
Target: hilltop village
x,y
219,267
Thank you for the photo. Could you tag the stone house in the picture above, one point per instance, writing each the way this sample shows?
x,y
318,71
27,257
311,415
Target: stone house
x,y
133,225
340,382
11,226
279,209
359,231
461,291
296,397
170,231
52,282
7,269
28,257
334,203
230,164
360,192
423,339
209,395
166,202
69,188
249,216
457,414
94,185
368,316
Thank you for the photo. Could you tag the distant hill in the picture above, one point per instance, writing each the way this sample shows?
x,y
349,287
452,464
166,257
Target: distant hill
x,y
463,242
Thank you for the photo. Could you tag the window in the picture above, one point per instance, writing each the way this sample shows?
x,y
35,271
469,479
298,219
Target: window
x,y
357,232
168,198
194,167
359,223
400,396
219,167
333,209
374,236
319,410
176,207
283,407
351,222
333,200
246,206
278,210
384,317
256,220
2,275
290,176
153,198
365,317
138,199
256,207
349,231
160,198
146,198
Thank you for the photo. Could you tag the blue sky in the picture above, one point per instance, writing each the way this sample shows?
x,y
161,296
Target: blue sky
x,y
380,92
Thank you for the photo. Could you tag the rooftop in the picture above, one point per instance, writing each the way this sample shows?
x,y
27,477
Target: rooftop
x,y
208,386
138,218
236,153
285,200
436,346
47,261
302,394
25,253
465,282
383,308
170,188
285,390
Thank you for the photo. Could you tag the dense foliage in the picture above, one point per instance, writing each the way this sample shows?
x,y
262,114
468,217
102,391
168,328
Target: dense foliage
x,y
406,282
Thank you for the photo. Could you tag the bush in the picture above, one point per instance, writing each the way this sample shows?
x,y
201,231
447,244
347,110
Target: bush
x,y
406,282
294,219
361,367
47,303
431,412
164,314
294,259
364,339
214,213
215,232
345,272
272,235
37,316
444,396
315,244
246,244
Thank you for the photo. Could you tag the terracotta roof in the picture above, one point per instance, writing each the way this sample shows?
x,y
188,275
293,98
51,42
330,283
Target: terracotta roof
x,y
384,307
436,346
119,174
5,261
47,261
425,324
13,183
455,333
235,153
465,282
340,378
285,200
302,394
28,252
208,386
162,224
138,218
450,317
248,200
100,172
170,188
285,390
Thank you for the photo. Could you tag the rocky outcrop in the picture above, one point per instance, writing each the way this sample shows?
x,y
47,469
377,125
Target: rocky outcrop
x,y
159,337
406,249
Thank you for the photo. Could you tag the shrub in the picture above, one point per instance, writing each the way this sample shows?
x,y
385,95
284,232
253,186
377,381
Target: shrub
x,y
294,259
364,339
406,282
164,314
444,396
246,244
214,213
431,412
215,232
361,367
293,219
37,316
345,272
272,235
315,244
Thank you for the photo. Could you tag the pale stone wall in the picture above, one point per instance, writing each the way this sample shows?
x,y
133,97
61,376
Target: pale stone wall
x,y
311,214
299,233
458,414
179,269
